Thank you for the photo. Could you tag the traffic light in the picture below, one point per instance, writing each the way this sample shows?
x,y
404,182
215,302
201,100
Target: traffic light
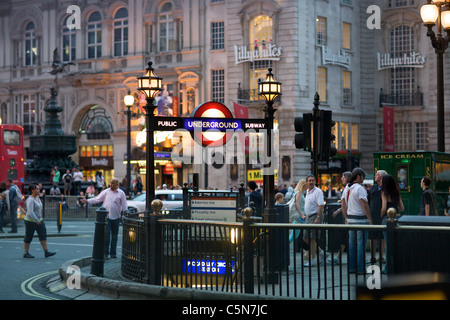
x,y
326,144
303,128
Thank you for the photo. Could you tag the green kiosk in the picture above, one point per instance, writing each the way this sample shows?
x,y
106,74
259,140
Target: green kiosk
x,y
408,169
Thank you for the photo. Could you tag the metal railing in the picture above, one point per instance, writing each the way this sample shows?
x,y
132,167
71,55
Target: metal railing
x,y
52,205
242,257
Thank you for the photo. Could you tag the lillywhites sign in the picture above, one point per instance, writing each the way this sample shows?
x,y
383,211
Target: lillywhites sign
x,y
267,52
412,60
341,58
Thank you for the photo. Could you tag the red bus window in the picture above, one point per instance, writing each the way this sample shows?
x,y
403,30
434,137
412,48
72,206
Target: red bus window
x,y
11,138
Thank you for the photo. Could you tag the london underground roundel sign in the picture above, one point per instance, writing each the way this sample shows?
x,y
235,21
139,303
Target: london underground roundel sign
x,y
213,132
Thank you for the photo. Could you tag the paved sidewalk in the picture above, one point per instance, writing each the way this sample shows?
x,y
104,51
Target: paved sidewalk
x,y
51,232
112,286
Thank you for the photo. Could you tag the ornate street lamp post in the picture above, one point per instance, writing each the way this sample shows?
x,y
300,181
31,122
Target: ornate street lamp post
x,y
129,101
150,84
432,11
269,89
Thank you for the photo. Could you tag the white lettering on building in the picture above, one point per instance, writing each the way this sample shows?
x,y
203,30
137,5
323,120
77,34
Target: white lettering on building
x,y
268,52
412,60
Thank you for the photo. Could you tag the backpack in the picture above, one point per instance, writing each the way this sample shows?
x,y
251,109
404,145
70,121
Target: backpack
x,y
18,195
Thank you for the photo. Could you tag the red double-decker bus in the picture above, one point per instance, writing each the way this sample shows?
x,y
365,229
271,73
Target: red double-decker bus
x,y
12,154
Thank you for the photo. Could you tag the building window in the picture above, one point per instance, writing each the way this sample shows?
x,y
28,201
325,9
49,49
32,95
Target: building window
x,y
355,136
30,45
181,45
346,87
218,85
68,43
96,124
29,114
94,36
400,3
190,96
422,136
403,136
3,114
334,131
346,36
218,35
402,79
121,33
167,40
343,138
322,83
347,2
321,36
260,35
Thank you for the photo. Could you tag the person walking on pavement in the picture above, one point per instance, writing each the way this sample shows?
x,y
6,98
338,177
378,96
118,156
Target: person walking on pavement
x,y
115,201
77,178
356,211
428,203
4,201
55,176
255,197
375,211
67,179
14,199
338,238
314,205
34,222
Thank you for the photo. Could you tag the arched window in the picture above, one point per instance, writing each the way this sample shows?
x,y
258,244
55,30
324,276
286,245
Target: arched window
x,y
260,36
3,114
96,124
402,79
94,36
167,40
68,42
121,32
30,45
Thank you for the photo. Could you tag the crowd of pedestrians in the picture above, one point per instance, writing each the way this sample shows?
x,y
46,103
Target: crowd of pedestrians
x,y
359,206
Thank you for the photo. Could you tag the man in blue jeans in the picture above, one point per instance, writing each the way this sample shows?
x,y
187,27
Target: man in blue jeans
x,y
115,201
13,204
356,211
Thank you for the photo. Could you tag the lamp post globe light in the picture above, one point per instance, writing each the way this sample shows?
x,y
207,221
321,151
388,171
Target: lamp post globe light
x,y
150,84
437,13
129,102
269,89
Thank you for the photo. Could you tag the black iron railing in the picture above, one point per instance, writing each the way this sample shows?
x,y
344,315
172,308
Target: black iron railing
x,y
401,99
235,257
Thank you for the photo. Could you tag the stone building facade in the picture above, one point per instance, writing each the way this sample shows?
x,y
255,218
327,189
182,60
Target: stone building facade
x,y
202,50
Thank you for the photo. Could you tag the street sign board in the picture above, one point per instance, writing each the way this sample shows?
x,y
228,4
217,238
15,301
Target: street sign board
x,y
213,208
204,124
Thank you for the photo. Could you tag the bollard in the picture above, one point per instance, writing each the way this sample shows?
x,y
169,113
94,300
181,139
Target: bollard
x,y
248,251
59,218
98,250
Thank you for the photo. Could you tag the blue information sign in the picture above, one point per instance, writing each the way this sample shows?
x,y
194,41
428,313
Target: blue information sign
x,y
207,266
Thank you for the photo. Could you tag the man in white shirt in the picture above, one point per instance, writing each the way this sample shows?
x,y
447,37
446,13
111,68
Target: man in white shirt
x,y
77,178
314,205
115,201
356,210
